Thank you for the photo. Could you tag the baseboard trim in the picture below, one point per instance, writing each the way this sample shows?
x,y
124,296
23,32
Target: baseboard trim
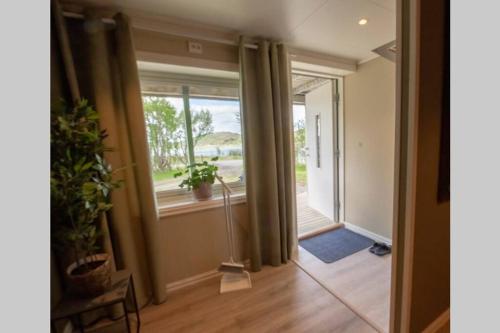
x,y
439,322
367,233
192,280
196,279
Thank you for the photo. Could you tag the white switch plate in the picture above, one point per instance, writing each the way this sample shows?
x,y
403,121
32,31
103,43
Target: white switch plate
x,y
194,47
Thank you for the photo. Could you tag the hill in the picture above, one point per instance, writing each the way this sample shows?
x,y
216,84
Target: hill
x,y
220,139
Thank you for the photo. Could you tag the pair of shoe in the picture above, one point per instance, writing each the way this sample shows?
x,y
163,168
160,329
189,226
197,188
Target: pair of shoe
x,y
380,249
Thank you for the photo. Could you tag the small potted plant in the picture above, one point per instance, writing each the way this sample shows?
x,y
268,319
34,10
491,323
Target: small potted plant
x,y
80,186
201,177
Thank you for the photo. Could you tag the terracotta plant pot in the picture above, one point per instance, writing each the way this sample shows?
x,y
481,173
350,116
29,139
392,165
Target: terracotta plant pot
x,y
93,282
204,192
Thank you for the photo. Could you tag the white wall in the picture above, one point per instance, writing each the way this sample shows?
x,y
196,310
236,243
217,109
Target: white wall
x,y
320,180
369,122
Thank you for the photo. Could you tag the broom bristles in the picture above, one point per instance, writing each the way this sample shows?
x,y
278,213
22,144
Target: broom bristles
x,y
231,267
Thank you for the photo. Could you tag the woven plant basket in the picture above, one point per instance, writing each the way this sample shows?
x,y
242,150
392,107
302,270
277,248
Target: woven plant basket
x,y
91,283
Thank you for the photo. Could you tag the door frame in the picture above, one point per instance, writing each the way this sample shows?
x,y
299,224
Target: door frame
x,y
407,26
407,31
338,140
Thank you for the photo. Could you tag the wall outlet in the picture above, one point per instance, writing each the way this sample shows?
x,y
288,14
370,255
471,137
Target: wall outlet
x,y
195,47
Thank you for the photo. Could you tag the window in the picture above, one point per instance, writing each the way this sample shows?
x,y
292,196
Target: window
x,y
191,119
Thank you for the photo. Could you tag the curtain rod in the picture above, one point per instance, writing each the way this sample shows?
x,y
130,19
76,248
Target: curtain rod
x,y
113,22
82,17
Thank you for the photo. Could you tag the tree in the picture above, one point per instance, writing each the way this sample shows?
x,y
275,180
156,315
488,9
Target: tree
x,y
300,140
201,123
165,132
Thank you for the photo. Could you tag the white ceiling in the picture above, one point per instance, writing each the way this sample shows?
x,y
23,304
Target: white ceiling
x,y
327,26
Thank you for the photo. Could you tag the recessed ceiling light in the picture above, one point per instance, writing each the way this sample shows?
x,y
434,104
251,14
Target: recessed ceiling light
x,y
363,21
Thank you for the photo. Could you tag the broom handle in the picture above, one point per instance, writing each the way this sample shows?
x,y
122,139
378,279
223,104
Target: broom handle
x,y
229,218
224,185
231,224
228,228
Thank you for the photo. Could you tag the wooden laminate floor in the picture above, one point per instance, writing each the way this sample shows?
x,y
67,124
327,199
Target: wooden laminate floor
x,y
362,280
283,299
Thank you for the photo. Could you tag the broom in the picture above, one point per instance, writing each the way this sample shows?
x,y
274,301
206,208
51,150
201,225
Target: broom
x,y
234,276
231,266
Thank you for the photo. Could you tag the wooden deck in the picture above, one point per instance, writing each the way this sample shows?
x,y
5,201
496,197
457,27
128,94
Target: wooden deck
x,y
309,219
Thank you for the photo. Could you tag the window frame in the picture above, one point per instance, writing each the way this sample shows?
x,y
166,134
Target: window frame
x,y
178,198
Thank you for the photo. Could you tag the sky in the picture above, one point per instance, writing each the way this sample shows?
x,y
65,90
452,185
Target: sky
x,y
299,113
224,112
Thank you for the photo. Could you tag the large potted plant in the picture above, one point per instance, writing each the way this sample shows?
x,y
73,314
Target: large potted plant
x,y
81,182
200,178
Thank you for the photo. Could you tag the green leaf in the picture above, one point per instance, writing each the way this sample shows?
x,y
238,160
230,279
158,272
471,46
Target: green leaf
x,y
87,166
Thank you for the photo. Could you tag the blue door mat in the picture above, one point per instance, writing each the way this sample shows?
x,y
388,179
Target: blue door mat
x,y
335,244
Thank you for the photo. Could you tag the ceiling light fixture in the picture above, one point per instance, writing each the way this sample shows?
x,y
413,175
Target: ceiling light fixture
x,y
363,21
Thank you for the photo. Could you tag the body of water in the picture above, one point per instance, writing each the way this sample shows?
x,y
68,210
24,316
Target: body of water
x,y
211,151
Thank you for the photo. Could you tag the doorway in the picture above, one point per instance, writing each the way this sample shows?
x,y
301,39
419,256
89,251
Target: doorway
x,y
363,159
316,138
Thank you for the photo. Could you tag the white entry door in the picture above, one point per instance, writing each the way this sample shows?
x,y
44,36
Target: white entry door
x,y
320,142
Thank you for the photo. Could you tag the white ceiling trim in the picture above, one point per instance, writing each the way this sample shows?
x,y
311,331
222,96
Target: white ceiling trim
x,y
374,56
302,68
157,67
321,59
164,58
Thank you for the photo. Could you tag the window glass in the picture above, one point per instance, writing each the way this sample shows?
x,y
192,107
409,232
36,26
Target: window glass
x,y
299,128
165,126
217,132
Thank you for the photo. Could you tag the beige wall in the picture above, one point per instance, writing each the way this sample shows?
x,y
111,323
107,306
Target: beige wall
x,y
160,47
196,243
369,126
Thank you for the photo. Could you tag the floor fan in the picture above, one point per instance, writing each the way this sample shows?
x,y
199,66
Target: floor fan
x,y
234,276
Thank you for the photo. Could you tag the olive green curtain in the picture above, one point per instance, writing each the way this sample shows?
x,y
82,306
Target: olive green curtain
x,y
266,101
106,73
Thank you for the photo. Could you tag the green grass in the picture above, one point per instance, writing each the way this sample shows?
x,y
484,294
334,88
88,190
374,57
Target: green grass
x,y
162,175
300,173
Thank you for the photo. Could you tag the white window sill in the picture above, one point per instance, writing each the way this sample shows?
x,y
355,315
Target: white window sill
x,y
195,206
